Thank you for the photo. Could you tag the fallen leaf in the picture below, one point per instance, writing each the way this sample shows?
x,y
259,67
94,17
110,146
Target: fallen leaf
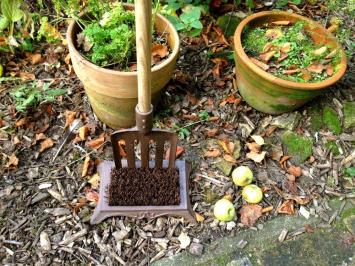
x,y
40,136
258,139
306,75
287,207
77,206
256,157
309,228
331,54
69,117
83,132
86,165
21,122
229,158
282,57
283,160
94,180
286,47
260,64
199,217
46,144
179,150
96,143
291,71
265,57
329,70
27,76
291,187
268,47
230,99
67,59
267,209
228,197
84,41
12,162
35,58
92,196
184,239
250,213
159,50
273,33
192,99
225,145
212,132
320,51
315,68
281,22
295,171
253,146
212,153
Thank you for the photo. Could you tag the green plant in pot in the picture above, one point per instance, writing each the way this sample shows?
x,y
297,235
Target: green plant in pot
x,y
102,48
283,60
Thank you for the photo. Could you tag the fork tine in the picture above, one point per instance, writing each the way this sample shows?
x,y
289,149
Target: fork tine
x,y
145,151
172,156
130,152
159,152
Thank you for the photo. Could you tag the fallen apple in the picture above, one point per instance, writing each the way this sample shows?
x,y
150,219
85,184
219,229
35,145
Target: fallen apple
x,y
224,210
242,176
252,194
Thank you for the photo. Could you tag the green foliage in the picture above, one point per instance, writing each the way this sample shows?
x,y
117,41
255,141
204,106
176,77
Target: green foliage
x,y
203,115
48,32
331,120
283,3
27,96
112,38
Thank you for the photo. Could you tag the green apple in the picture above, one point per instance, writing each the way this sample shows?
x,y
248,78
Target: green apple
x,y
252,194
224,210
242,176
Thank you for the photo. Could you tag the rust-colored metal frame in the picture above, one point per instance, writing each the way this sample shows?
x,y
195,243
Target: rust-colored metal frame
x,y
103,210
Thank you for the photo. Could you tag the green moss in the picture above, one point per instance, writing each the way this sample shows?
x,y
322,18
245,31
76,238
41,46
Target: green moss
x,y
349,114
315,112
299,147
331,120
333,147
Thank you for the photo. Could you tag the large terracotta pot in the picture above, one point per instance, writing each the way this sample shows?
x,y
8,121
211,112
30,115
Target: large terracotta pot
x,y
268,93
113,94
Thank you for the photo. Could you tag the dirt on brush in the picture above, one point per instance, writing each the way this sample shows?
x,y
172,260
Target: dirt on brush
x,y
49,184
143,187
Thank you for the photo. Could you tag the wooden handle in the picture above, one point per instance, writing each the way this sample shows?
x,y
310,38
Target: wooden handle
x,y
143,13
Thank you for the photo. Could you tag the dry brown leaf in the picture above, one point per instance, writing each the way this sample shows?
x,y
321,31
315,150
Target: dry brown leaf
x,y
199,217
331,54
329,70
86,165
258,139
67,59
12,162
179,150
256,157
83,132
281,22
212,132
229,158
46,144
306,75
40,136
273,33
291,187
250,213
267,209
286,47
228,197
268,47
192,99
159,50
287,207
21,122
283,160
92,196
253,146
94,181
212,153
291,71
320,51
260,64
225,145
35,58
316,68
295,171
27,76
96,143
265,57
282,57
69,117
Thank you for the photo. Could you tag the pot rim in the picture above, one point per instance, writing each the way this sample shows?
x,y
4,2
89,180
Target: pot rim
x,y
279,81
155,68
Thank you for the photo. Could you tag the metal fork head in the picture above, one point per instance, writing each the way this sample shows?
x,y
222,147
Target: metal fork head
x,y
133,136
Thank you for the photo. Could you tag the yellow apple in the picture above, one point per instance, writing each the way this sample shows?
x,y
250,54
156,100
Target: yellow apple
x,y
252,194
242,176
224,210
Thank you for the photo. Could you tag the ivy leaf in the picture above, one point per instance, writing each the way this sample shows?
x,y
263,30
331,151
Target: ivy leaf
x,y
4,23
191,16
176,22
11,10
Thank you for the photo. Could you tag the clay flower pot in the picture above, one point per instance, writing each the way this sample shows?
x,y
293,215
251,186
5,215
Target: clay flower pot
x,y
268,93
113,94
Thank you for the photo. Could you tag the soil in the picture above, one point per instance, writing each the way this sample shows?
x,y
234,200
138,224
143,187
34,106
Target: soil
x,y
144,187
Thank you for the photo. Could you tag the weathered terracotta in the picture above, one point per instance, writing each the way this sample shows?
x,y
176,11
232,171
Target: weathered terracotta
x,y
268,93
113,94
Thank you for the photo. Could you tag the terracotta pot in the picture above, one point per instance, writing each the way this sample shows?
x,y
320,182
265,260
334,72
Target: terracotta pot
x,y
268,93
113,94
